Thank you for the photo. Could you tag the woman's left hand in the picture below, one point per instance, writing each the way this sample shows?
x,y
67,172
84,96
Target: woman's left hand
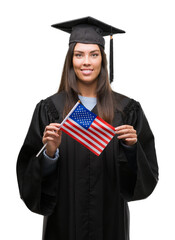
x,y
127,133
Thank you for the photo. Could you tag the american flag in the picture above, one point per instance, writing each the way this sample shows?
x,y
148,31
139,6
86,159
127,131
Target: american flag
x,y
88,129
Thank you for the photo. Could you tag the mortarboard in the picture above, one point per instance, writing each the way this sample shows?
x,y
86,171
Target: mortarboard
x,y
90,30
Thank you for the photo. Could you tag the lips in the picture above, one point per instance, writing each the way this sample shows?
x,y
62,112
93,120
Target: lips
x,y
86,71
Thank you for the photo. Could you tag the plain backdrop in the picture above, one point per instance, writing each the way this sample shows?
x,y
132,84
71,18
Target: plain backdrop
x,y
31,60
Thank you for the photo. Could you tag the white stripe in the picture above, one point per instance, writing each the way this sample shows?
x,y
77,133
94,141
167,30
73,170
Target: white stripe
x,y
76,129
101,129
82,140
106,126
94,136
96,131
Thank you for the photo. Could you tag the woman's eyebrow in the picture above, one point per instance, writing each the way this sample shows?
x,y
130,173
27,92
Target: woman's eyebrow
x,y
96,50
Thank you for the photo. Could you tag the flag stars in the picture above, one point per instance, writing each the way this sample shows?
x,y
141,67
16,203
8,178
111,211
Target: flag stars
x,y
83,116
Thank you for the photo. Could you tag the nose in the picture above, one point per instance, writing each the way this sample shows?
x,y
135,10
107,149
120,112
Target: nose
x,y
86,60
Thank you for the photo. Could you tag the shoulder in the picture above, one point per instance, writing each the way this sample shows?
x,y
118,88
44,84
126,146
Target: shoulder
x,y
52,105
125,103
56,98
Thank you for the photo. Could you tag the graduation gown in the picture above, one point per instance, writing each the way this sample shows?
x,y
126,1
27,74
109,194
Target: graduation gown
x,y
86,197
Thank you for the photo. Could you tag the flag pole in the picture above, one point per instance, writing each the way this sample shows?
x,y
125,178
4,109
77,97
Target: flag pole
x,y
60,126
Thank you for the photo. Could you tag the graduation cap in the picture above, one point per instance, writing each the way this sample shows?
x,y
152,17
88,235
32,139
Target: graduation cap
x,y
90,30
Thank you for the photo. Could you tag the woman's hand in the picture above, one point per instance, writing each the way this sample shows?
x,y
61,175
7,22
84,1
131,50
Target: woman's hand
x,y
127,133
52,136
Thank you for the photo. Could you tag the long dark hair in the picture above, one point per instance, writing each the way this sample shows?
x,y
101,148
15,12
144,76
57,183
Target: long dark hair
x,y
105,103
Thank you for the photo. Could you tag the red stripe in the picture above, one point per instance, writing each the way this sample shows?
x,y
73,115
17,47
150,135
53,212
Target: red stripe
x,y
97,135
86,133
86,140
81,142
100,119
101,126
98,130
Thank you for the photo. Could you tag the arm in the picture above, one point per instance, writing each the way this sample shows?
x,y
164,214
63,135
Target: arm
x,y
49,164
37,191
139,184
128,140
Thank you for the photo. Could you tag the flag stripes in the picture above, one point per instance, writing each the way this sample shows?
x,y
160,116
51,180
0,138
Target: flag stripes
x,y
106,127
83,137
82,141
88,129
95,138
86,134
96,128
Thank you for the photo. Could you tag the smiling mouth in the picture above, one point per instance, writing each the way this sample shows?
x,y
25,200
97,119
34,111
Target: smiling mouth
x,y
86,71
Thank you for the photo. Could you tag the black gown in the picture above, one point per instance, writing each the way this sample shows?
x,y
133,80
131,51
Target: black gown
x,y
86,197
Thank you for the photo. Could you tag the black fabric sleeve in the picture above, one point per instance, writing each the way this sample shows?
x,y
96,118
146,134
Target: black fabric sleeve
x,y
131,155
139,184
38,192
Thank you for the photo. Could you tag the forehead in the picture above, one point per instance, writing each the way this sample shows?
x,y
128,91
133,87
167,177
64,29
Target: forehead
x,y
86,47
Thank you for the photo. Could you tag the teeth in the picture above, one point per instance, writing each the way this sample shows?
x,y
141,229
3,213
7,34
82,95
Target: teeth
x,y
87,71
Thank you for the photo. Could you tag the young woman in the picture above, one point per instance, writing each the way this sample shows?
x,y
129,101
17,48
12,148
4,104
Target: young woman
x,y
83,196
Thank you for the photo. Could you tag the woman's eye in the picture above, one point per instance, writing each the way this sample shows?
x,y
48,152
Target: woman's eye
x,y
95,55
78,55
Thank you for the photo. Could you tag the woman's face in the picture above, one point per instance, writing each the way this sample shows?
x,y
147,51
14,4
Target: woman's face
x,y
87,62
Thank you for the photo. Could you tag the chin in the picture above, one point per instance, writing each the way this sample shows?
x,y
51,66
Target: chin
x,y
87,81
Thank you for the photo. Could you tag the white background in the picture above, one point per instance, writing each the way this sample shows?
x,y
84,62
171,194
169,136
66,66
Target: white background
x,y
31,59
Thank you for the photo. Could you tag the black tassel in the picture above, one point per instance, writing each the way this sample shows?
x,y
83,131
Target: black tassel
x,y
111,60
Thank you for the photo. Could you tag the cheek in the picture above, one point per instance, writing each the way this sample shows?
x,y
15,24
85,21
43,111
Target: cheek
x,y
98,66
76,68
76,65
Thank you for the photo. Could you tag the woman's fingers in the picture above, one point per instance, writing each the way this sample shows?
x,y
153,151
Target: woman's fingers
x,y
125,136
53,127
51,133
52,136
123,127
127,133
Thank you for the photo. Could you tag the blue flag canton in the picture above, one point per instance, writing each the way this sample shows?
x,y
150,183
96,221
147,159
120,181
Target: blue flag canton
x,y
83,116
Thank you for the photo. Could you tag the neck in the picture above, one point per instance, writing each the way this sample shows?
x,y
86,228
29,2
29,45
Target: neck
x,y
87,90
